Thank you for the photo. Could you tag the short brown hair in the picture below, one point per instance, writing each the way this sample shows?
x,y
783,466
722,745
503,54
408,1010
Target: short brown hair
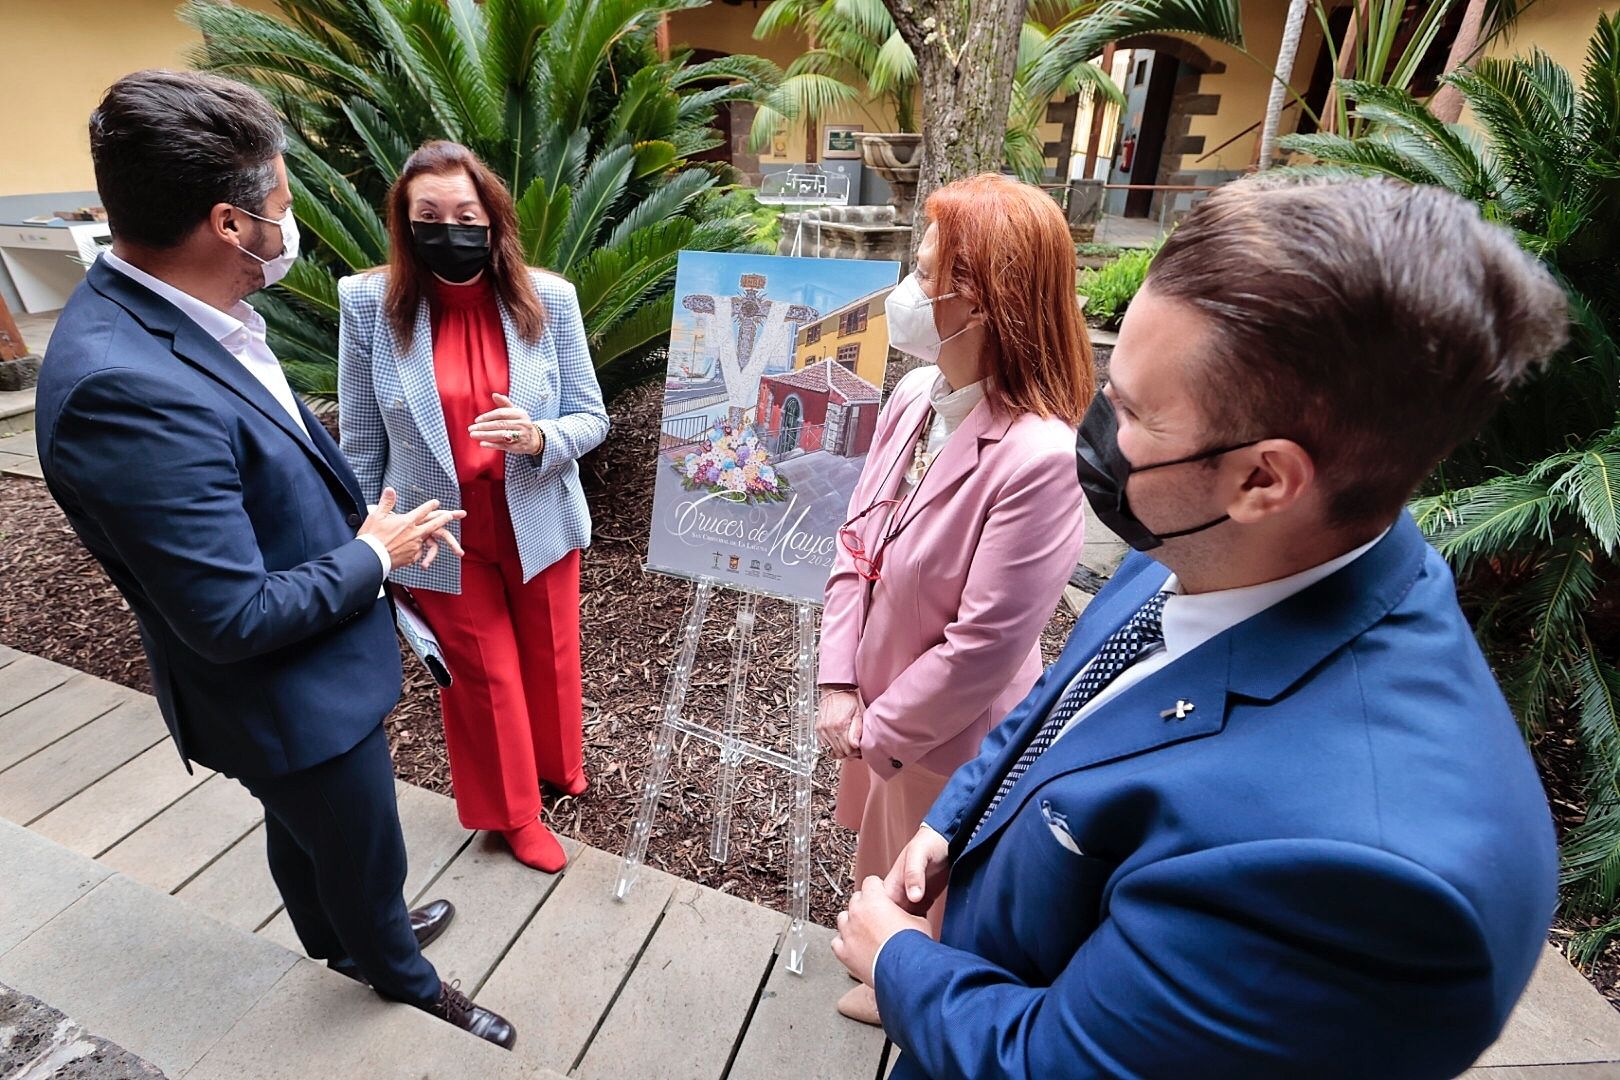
x,y
1376,323
1005,244
507,270
169,146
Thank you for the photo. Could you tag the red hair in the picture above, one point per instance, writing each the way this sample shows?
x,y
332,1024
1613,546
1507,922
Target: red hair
x,y
1004,245
406,273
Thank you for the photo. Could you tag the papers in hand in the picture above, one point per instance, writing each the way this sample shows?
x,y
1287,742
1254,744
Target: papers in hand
x,y
420,637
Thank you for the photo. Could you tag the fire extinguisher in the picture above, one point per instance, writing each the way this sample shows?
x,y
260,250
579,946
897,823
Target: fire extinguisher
x,y
1127,150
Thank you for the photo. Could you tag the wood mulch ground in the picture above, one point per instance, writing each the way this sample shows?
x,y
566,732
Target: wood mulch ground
x,y
56,602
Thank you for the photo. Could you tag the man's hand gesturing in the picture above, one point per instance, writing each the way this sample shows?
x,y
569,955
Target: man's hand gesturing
x,y
415,535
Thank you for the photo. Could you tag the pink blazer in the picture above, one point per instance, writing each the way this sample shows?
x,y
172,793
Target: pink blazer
x,y
950,640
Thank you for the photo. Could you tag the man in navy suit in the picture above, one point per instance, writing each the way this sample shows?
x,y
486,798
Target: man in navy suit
x,y
1268,815
227,518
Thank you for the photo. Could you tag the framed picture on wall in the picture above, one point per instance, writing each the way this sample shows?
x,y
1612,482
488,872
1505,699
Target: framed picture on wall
x,y
841,141
779,141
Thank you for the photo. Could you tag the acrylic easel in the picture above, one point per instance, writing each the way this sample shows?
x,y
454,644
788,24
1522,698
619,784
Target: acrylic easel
x,y
800,765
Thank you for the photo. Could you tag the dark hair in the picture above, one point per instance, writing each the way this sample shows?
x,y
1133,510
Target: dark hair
x,y
169,146
406,272
1376,323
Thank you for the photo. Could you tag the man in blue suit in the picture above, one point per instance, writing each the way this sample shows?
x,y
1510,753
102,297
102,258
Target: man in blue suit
x,y
1268,815
231,524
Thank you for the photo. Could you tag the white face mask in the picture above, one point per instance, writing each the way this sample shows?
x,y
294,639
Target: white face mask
x,y
275,269
910,312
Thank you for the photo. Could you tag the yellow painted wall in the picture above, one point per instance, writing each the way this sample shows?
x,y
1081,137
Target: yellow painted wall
x,y
727,29
58,57
874,341
1245,86
1560,28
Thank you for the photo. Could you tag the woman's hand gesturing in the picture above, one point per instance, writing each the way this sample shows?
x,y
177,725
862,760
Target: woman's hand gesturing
x,y
508,427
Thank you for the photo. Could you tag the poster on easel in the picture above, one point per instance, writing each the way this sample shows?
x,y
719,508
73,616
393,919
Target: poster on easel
x,y
771,400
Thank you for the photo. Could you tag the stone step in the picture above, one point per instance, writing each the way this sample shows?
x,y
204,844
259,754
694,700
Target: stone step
x,y
198,998
16,411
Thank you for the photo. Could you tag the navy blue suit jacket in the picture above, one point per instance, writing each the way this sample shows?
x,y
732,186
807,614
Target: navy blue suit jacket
x,y
1340,863
230,533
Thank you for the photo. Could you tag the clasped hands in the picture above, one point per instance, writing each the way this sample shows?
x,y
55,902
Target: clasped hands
x,y
882,907
838,722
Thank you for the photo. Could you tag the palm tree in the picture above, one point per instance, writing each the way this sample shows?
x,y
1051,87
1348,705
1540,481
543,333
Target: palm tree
x,y
1529,513
859,58
568,102
1287,52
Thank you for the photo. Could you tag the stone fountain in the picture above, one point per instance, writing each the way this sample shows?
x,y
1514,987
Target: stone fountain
x,y
897,158
848,232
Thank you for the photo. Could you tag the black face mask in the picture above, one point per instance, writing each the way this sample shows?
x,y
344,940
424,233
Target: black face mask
x,y
1104,472
455,252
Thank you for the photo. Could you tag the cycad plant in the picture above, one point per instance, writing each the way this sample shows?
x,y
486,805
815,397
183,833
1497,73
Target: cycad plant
x,y
1529,513
567,100
858,59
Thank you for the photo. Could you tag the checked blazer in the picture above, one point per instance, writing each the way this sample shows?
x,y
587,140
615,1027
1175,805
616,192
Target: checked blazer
x,y
393,431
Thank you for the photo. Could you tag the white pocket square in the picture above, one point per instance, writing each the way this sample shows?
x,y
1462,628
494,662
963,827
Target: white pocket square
x,y
1058,825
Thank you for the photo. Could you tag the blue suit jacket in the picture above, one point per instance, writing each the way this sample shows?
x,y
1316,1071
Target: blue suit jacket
x,y
1339,864
230,533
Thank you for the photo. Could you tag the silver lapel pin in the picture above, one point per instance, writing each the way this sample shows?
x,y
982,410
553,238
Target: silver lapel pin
x,y
1179,712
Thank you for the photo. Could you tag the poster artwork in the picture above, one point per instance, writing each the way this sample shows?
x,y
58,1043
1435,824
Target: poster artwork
x,y
770,405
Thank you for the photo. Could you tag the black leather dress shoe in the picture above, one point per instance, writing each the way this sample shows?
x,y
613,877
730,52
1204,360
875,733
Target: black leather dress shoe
x,y
454,1007
431,920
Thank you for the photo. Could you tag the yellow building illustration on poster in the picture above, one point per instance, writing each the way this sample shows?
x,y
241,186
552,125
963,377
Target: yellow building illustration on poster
x,y
855,335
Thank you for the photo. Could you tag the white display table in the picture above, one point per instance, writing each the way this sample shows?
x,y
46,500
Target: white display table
x,y
46,262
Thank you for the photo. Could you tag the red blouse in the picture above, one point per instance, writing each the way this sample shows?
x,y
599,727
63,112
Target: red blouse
x,y
470,364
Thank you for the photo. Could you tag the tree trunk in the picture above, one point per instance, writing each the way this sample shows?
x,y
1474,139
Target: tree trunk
x,y
1347,68
1286,54
1447,102
966,57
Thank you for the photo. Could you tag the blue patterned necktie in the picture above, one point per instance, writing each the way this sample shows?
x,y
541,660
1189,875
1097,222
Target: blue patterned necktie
x,y
1144,631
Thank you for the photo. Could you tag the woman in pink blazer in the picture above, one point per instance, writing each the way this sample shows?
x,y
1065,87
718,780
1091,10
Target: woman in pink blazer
x,y
966,521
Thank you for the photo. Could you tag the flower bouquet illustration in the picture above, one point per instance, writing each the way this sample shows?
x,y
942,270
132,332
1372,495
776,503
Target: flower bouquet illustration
x,y
732,463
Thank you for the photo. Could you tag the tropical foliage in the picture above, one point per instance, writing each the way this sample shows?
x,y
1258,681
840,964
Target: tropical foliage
x,y
859,58
568,102
1529,513
1110,289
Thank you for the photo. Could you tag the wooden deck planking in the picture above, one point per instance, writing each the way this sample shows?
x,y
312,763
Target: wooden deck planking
x,y
563,972
46,709
495,897
796,1022
237,887
29,677
692,992
58,772
122,802
183,840
315,1023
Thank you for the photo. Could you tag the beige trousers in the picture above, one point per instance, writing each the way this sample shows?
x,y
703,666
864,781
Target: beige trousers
x,y
886,815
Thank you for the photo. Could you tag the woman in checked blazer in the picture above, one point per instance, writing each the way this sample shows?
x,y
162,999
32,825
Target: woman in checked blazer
x,y
464,376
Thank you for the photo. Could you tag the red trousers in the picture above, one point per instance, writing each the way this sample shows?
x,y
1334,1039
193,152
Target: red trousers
x,y
512,716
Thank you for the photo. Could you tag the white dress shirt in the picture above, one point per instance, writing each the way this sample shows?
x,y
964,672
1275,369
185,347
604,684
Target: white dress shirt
x,y
1191,620
241,333
951,407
